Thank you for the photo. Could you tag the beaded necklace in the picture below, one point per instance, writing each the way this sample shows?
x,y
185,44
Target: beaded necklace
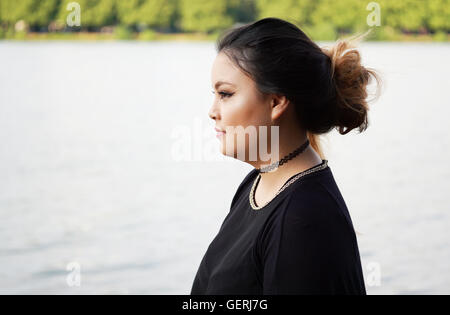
x,y
288,157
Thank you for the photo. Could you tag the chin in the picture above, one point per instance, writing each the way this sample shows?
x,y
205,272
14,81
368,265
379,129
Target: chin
x,y
224,151
234,152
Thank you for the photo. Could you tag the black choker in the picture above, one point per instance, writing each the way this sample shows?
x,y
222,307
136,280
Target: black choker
x,y
288,157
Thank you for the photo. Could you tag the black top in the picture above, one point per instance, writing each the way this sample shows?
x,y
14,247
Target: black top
x,y
301,242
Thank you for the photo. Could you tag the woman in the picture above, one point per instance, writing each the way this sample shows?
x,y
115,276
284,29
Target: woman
x,y
288,230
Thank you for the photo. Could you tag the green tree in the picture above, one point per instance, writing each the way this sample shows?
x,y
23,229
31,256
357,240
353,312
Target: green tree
x,y
94,13
204,15
405,15
343,15
153,13
295,11
37,13
438,15
242,11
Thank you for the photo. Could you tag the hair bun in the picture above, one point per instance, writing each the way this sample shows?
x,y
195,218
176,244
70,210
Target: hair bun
x,y
350,78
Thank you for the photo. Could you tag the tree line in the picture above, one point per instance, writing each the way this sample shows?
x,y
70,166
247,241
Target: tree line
x,y
210,16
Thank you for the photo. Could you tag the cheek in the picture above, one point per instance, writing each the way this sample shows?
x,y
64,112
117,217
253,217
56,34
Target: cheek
x,y
243,111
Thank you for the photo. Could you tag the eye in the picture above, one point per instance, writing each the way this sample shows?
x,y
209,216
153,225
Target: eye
x,y
224,94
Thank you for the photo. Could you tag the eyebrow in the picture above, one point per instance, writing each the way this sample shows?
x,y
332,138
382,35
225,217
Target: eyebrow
x,y
219,83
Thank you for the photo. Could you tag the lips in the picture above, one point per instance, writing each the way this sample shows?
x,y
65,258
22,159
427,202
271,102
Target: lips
x,y
219,132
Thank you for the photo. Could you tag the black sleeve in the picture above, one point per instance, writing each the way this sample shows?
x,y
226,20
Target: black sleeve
x,y
308,248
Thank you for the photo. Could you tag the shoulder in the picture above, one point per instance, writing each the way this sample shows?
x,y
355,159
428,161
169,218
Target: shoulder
x,y
251,175
248,179
311,201
314,206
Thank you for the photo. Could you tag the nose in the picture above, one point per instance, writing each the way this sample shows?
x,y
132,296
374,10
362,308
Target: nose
x,y
213,112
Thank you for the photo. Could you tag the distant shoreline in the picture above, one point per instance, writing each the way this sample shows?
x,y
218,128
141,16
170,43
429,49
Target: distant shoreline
x,y
154,36
94,36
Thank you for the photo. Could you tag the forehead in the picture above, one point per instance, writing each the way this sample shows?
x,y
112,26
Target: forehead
x,y
224,70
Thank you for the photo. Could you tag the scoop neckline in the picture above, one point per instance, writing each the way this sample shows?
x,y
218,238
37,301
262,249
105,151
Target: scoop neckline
x,y
281,190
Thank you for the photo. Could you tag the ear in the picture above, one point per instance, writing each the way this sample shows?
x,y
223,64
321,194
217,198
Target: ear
x,y
279,104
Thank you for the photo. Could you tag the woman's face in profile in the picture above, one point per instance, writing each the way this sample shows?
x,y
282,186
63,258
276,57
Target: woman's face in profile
x,y
237,102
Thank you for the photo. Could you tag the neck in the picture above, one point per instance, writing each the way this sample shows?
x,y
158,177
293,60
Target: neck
x,y
285,159
303,161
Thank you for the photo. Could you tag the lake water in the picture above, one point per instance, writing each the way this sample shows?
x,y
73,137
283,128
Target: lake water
x,y
89,185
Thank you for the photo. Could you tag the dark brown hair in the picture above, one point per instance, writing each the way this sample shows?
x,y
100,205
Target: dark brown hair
x,y
327,86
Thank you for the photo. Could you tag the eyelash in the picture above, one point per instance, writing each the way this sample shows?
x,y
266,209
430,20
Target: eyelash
x,y
224,94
